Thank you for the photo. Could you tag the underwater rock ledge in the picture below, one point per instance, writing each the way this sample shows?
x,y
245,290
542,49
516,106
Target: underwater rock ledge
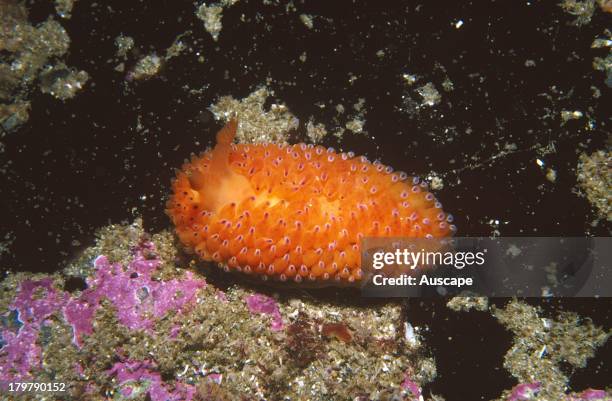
x,y
129,320
142,326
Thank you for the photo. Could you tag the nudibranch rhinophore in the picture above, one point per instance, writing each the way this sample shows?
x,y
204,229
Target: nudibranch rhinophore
x,y
295,212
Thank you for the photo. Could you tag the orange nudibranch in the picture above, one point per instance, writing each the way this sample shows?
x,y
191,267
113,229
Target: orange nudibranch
x,y
295,212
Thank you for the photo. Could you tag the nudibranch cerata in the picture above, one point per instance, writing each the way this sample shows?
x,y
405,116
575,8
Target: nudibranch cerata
x,y
295,212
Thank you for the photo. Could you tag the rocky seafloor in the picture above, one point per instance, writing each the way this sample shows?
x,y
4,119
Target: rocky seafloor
x,y
133,319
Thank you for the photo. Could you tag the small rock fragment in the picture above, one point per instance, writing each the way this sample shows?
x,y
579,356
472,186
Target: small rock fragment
x,y
595,179
306,20
124,45
254,123
61,81
211,16
315,132
430,94
147,67
64,8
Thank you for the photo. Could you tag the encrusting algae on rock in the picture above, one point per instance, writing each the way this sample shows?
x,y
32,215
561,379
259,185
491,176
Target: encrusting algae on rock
x,y
153,328
295,212
147,327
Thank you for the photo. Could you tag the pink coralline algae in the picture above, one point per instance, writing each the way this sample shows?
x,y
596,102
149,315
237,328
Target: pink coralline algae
x,y
261,304
525,391
35,302
590,395
413,387
529,391
136,378
138,299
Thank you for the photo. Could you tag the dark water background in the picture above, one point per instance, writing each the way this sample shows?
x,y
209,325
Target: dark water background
x,y
82,164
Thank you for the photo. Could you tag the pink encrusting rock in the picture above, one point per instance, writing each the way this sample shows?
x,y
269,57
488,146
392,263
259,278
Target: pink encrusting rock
x,y
531,391
416,392
138,299
261,304
590,395
35,302
525,391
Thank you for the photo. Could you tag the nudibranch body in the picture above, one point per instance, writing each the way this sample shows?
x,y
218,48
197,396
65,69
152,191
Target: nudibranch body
x,y
295,212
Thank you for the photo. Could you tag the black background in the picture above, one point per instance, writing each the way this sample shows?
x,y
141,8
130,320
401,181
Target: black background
x,y
81,164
